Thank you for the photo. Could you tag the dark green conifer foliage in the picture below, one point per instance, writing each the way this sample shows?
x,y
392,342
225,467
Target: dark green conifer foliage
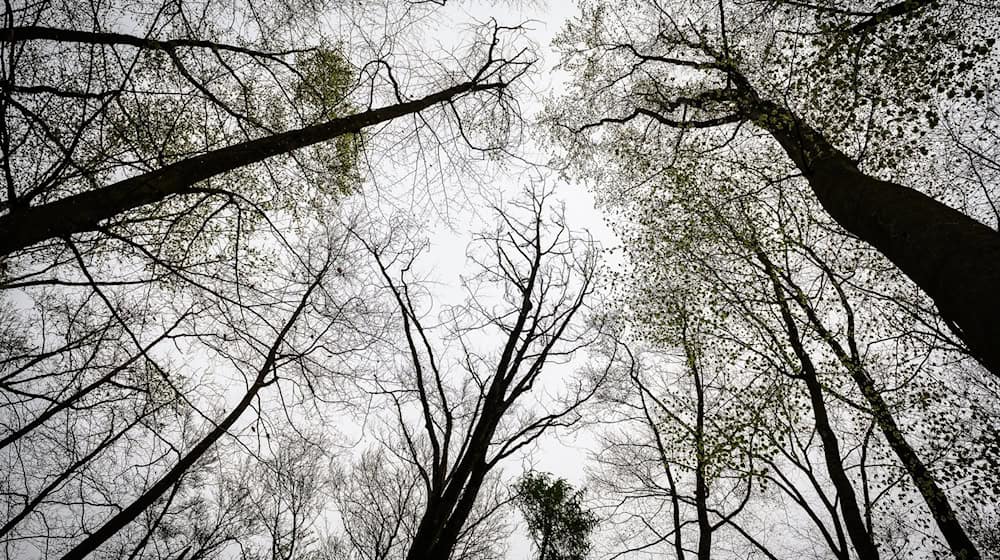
x,y
557,522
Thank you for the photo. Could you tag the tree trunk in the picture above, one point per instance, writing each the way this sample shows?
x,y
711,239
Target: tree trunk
x,y
864,546
701,485
546,534
149,497
442,522
937,502
953,258
23,227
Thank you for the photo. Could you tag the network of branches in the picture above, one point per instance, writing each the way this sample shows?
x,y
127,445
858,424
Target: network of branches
x,y
309,280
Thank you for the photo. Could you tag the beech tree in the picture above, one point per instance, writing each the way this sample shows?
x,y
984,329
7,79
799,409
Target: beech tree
x,y
814,77
779,294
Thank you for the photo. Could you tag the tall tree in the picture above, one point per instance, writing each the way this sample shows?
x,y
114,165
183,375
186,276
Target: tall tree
x,y
764,258
811,84
164,111
526,303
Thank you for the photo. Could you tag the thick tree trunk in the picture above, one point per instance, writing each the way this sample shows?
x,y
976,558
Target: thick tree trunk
x,y
449,534
81,212
442,522
953,258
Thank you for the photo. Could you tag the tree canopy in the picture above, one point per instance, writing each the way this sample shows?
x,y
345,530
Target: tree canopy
x,y
314,280
557,522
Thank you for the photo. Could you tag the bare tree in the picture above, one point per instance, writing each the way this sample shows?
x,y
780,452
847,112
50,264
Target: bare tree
x,y
96,168
145,329
472,407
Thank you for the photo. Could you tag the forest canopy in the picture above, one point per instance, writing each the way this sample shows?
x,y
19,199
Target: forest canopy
x,y
464,281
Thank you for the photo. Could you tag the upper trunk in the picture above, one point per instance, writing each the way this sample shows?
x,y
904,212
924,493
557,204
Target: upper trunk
x,y
953,258
81,212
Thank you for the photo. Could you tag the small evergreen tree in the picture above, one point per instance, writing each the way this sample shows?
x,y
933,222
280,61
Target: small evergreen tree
x,y
557,523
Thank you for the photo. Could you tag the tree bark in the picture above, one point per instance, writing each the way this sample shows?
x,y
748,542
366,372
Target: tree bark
x,y
701,484
81,212
937,501
953,258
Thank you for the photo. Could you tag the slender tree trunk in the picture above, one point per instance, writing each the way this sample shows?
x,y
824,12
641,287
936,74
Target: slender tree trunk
x,y
937,502
56,408
701,485
864,546
23,227
70,471
149,497
953,258
546,534
661,449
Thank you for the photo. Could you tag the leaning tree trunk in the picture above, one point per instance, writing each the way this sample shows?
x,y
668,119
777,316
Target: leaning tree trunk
x,y
934,497
441,525
937,502
121,519
953,258
864,546
23,227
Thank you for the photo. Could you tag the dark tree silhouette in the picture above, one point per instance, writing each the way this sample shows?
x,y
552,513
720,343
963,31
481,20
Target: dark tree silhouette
x,y
543,274
953,257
